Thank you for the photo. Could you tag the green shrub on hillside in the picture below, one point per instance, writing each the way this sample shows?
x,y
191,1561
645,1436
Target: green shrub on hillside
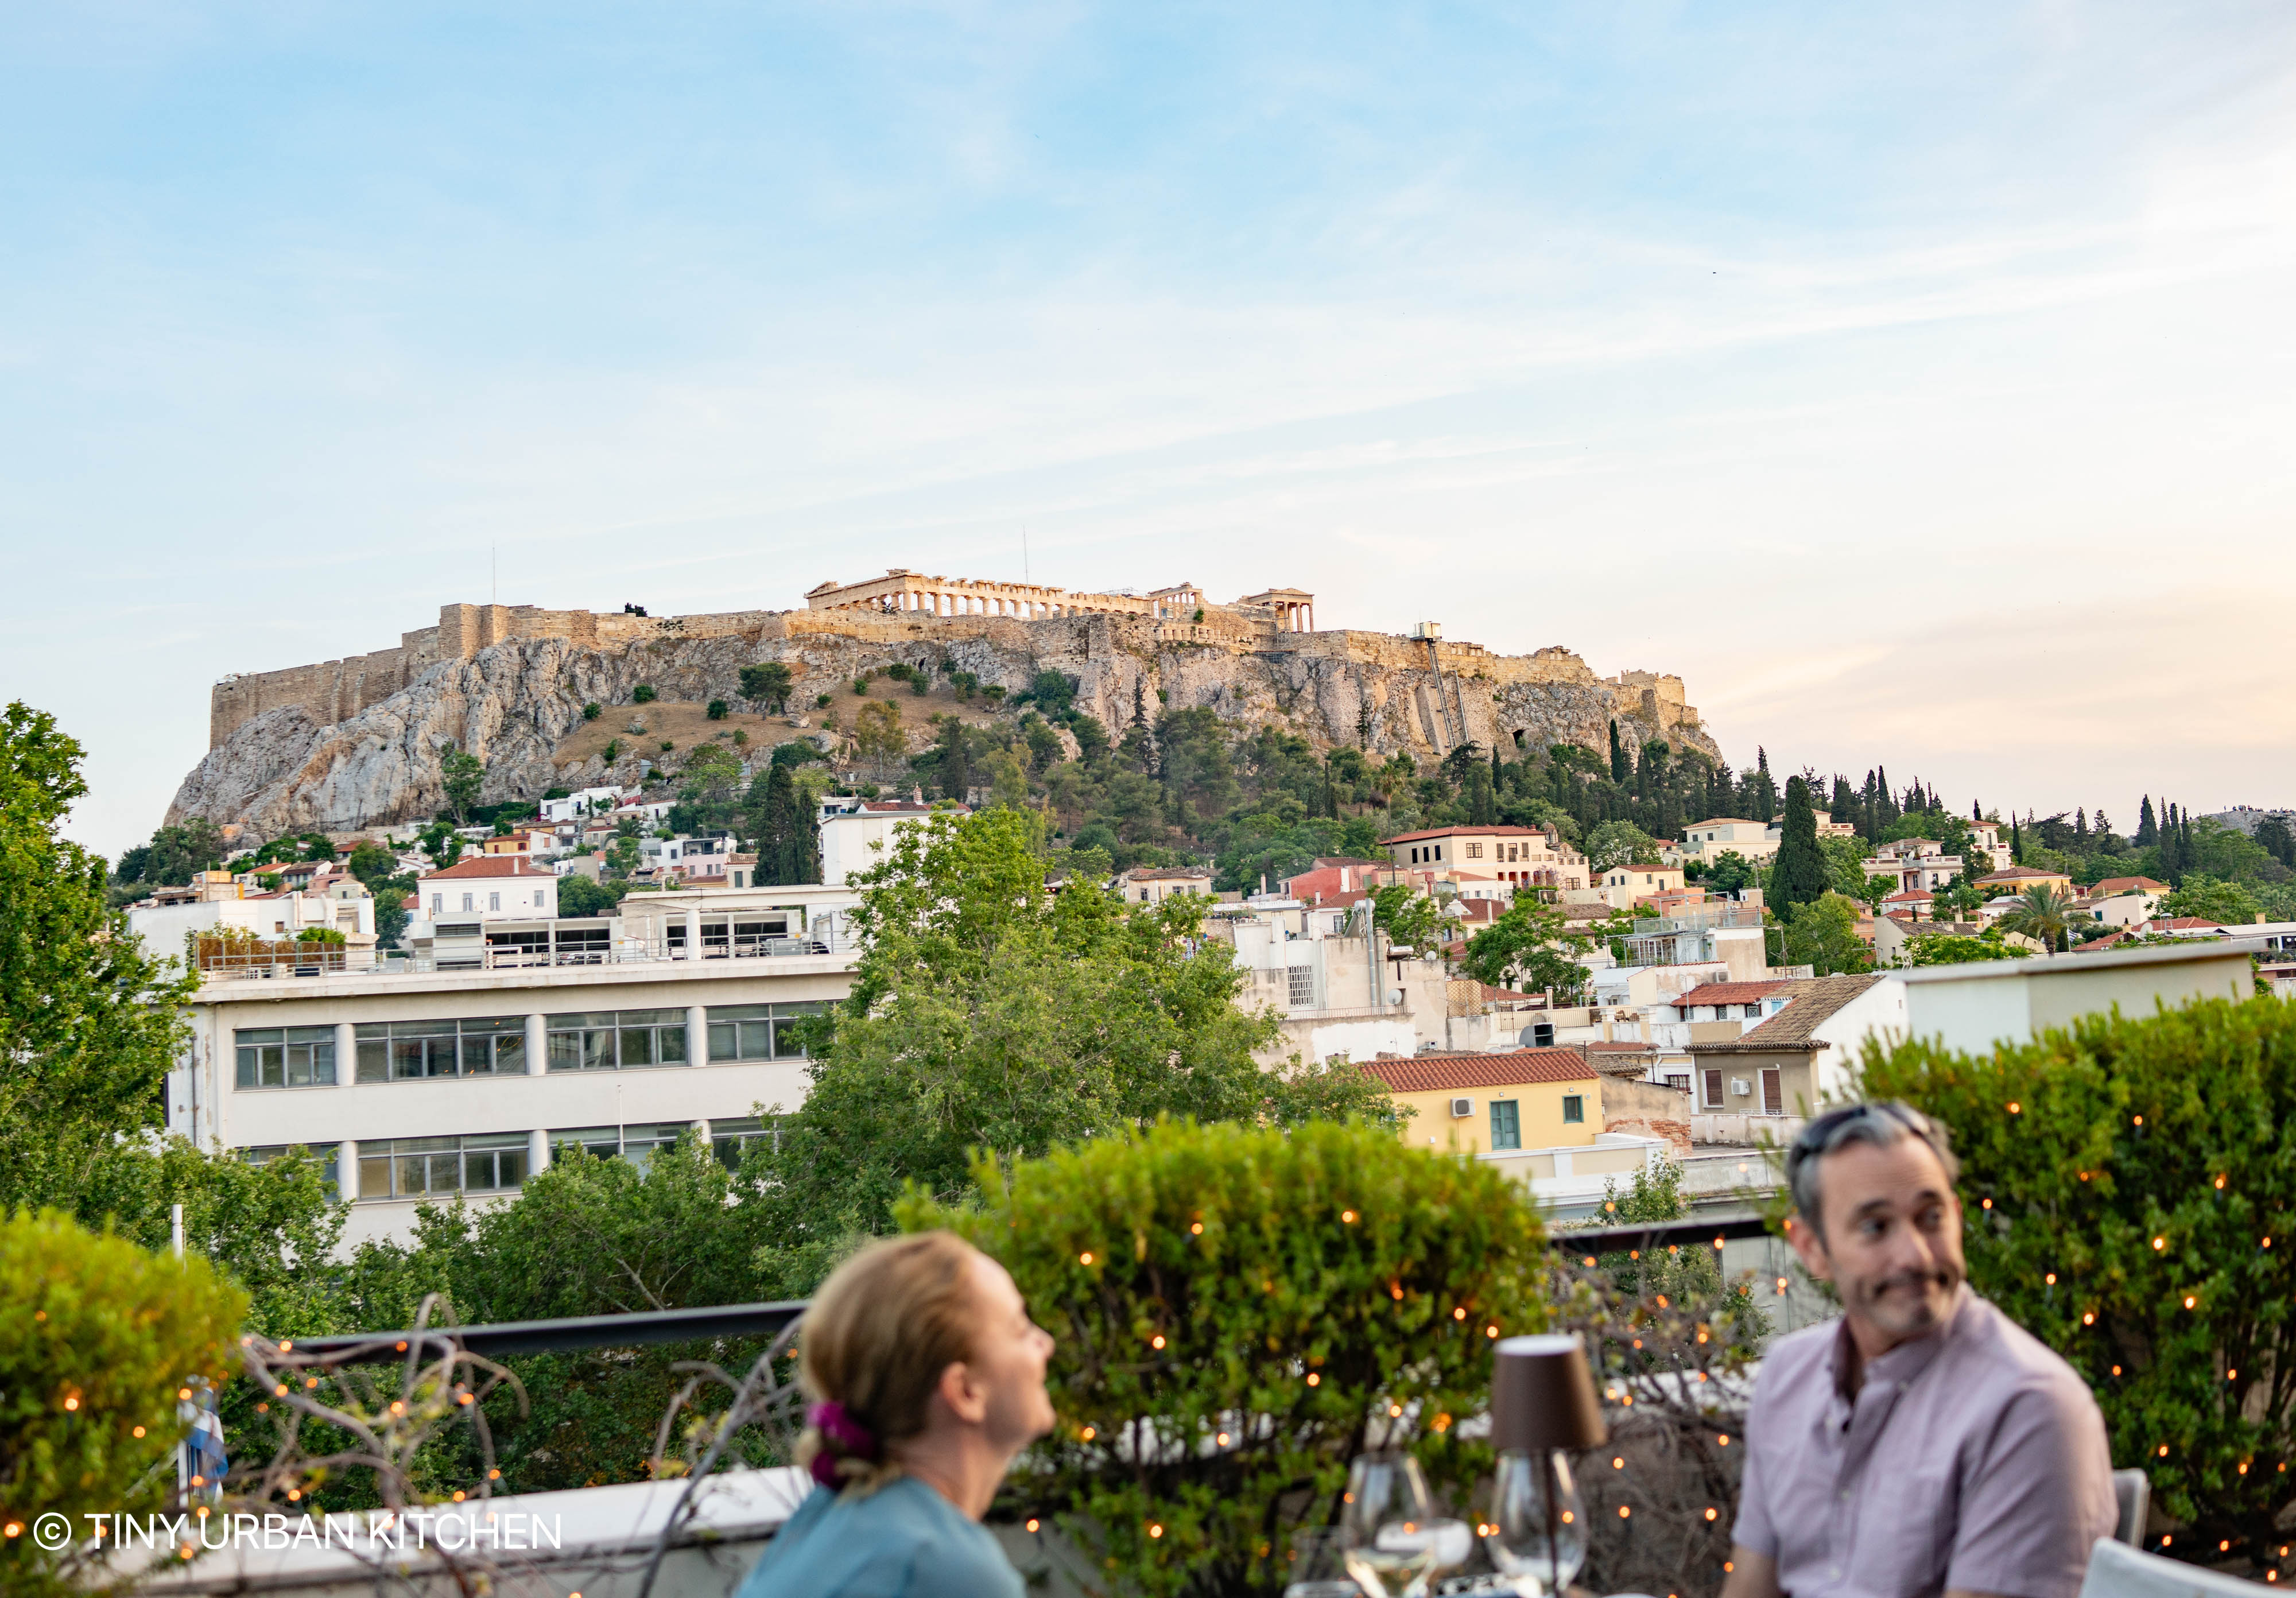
x,y
2131,1196
1237,1308
96,1341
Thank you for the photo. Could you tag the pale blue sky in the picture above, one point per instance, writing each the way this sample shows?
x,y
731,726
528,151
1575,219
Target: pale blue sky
x,y
1918,382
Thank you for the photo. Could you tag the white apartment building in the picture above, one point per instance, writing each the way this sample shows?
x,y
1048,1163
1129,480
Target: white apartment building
x,y
854,832
488,887
418,1083
588,801
1916,865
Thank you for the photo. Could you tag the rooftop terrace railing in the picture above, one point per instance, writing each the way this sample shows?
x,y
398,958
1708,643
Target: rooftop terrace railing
x,y
772,1319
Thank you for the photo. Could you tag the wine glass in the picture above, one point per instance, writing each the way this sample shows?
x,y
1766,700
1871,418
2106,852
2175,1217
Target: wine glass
x,y
1388,1525
1537,1528
1319,1566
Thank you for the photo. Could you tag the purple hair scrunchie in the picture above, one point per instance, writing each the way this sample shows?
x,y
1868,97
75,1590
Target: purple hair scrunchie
x,y
846,1437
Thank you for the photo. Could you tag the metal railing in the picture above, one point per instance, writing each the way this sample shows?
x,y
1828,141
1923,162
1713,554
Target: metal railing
x,y
770,1320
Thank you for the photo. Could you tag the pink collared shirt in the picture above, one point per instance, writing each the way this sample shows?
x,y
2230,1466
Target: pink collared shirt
x,y
1972,1458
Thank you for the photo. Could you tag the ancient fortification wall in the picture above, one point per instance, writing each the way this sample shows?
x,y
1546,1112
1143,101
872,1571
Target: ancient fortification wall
x,y
356,742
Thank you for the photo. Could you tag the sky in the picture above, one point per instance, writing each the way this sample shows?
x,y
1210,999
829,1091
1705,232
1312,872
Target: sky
x,y
1918,382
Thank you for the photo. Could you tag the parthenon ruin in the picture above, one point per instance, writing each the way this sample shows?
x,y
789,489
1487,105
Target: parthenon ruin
x,y
903,591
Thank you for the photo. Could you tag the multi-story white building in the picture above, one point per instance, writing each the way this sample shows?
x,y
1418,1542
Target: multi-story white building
x,y
854,832
431,1081
1916,865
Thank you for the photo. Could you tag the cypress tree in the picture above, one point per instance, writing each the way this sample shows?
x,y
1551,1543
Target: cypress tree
x,y
788,849
2148,832
1799,874
1762,792
1620,770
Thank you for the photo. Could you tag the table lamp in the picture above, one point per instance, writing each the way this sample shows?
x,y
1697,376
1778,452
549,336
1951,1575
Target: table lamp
x,y
1543,1399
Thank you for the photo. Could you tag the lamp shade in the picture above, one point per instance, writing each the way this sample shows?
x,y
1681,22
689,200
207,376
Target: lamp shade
x,y
1542,1397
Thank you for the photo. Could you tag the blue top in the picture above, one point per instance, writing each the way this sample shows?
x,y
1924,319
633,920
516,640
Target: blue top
x,y
904,1540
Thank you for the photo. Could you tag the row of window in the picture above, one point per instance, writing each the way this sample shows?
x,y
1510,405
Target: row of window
x,y
493,901
495,1162
495,1046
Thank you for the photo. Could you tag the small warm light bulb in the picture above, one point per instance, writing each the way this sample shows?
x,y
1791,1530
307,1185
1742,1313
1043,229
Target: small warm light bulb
x,y
1713,1514
1617,1462
2051,1279
1724,1439
1155,1530
2015,1107
1459,1315
1085,1258
1314,1380
1349,1216
2160,1242
1089,1433
139,1431
1032,1523
1196,1229
1624,1511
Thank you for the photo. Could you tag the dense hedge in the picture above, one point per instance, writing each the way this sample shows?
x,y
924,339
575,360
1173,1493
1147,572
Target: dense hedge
x,y
2131,1189
96,1337
1239,1311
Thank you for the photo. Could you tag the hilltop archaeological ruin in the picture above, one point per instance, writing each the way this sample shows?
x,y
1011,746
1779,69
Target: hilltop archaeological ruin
x,y
355,741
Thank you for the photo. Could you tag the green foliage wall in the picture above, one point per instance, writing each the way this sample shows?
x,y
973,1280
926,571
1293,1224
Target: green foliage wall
x,y
2141,1176
1303,1287
97,1336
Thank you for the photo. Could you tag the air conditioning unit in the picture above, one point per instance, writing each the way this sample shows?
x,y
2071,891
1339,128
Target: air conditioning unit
x,y
1741,1087
1462,1108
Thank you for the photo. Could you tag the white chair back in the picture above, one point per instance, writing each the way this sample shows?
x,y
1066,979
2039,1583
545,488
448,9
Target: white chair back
x,y
2116,1570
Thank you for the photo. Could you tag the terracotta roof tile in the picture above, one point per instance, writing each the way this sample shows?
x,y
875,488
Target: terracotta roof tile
x,y
1435,1073
489,865
1808,1006
1731,993
1465,832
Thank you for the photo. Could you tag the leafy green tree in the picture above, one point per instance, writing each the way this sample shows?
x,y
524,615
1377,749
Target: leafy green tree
x,y
767,684
2138,1182
1617,843
461,776
1800,873
990,1013
440,842
1528,949
717,710
1406,917
2043,914
1822,932
642,694
2274,837
581,895
708,794
175,854
1730,872
593,710
2212,899
1950,948
89,1020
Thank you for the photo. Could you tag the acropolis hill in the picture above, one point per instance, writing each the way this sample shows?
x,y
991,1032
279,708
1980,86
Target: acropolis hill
x,y
355,741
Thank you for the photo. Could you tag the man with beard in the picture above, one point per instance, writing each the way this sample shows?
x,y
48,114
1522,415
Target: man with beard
x,y
1922,1443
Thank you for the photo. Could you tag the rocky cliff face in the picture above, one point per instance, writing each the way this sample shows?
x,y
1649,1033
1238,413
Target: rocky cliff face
x,y
515,703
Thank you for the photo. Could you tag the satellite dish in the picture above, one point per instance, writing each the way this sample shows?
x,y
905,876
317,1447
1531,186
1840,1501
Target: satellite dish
x,y
1395,996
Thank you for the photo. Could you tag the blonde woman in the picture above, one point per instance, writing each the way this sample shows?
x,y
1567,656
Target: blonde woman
x,y
927,1377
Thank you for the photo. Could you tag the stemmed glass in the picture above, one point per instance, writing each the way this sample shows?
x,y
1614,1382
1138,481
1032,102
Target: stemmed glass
x,y
1388,1525
1537,1528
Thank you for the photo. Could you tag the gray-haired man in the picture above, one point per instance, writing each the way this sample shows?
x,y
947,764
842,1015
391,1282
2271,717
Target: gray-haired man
x,y
1922,1443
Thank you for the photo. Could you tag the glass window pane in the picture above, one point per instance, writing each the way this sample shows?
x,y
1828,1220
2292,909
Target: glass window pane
x,y
510,1054
413,1173
725,1040
406,1059
756,1040
322,1063
374,1059
247,1066
598,1051
669,1045
565,1052
374,1172
478,1170
272,1065
477,1056
299,1065
637,1045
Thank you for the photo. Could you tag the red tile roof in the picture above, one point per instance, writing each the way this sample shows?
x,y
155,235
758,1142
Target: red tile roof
x,y
489,866
2016,873
2112,885
2182,923
1730,993
1434,1073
